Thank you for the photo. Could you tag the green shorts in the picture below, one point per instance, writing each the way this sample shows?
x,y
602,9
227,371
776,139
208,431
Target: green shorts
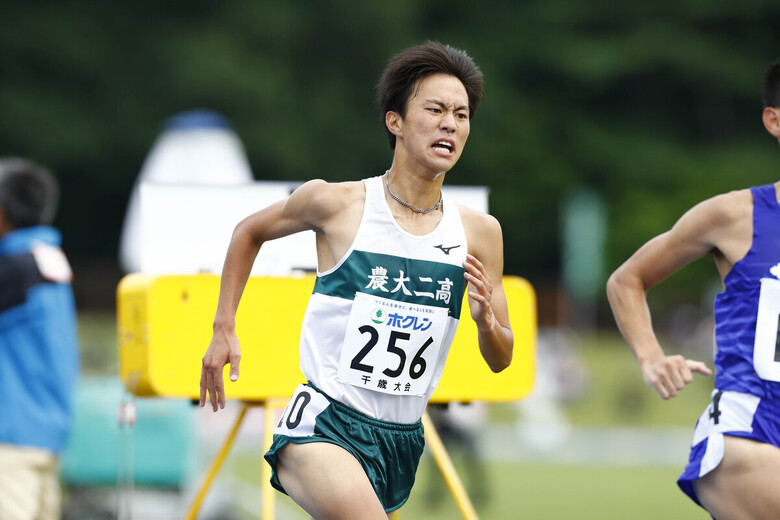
x,y
389,452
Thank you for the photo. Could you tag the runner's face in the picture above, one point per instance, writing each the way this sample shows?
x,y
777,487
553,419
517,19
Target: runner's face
x,y
436,125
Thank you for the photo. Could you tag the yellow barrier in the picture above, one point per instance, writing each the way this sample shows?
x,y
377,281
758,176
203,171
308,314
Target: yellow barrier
x,y
164,327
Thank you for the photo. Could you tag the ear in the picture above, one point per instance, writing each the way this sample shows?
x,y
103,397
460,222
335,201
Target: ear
x,y
771,117
394,123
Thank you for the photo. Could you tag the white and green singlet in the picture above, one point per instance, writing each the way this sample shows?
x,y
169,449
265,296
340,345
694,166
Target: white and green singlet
x,y
379,325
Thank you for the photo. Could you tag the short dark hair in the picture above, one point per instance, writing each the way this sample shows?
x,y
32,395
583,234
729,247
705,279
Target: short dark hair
x,y
770,93
28,193
406,69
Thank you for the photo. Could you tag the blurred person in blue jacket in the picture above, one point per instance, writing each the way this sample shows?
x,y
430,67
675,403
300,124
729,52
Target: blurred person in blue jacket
x,y
39,358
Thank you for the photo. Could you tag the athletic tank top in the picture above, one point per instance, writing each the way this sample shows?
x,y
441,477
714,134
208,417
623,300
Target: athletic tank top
x,y
747,341
379,325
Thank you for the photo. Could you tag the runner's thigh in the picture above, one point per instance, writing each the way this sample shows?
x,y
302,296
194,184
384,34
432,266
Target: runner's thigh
x,y
745,484
328,482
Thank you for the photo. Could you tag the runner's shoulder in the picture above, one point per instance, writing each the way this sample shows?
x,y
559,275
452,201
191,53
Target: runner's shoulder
x,y
327,198
477,223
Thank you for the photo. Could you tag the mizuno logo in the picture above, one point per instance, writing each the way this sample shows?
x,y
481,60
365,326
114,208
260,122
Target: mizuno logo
x,y
446,250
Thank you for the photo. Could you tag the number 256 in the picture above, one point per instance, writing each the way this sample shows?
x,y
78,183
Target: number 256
x,y
416,367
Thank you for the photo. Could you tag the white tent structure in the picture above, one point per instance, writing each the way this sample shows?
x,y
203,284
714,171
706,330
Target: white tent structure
x,y
195,148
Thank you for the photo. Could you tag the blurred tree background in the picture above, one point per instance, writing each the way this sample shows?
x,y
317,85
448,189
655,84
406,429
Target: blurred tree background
x,y
654,106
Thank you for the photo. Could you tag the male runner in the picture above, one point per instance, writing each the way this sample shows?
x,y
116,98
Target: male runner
x,y
735,462
394,260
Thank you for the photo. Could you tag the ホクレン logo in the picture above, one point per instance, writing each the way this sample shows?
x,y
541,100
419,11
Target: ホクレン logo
x,y
378,316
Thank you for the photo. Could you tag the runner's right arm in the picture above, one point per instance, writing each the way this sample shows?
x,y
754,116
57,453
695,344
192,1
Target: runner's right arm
x,y
304,210
693,236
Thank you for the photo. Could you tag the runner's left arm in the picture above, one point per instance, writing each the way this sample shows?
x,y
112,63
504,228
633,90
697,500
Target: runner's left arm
x,y
487,300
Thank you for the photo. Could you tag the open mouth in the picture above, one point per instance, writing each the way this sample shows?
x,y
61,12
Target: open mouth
x,y
443,147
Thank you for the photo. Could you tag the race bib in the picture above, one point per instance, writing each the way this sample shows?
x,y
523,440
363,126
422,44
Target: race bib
x,y
766,349
391,346
300,415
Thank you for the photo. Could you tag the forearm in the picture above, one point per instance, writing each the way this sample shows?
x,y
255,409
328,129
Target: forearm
x,y
496,343
239,259
627,297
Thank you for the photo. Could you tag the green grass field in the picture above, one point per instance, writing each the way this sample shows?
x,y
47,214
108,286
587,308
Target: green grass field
x,y
539,492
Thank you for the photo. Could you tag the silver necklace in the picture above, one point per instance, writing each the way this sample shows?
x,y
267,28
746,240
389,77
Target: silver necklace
x,y
404,203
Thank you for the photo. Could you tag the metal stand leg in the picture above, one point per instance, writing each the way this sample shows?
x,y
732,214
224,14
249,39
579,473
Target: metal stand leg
x,y
215,465
268,493
447,470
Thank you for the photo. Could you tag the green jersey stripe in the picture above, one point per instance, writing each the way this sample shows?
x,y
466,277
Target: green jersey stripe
x,y
397,278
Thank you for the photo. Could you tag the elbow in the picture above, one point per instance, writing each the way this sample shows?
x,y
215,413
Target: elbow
x,y
241,229
624,281
501,363
497,347
496,367
614,283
